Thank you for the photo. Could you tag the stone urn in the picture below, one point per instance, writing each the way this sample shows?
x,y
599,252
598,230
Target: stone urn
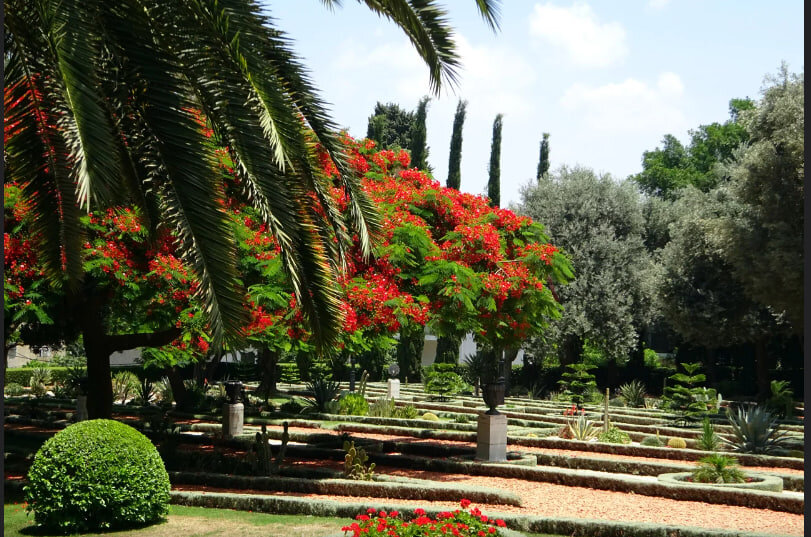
x,y
493,395
233,390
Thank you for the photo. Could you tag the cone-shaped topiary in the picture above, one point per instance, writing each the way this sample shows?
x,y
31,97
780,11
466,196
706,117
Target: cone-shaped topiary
x,y
97,474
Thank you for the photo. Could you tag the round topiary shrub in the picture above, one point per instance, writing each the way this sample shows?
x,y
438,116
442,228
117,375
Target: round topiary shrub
x,y
98,474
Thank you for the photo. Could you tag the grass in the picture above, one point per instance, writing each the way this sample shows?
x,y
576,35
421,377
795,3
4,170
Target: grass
x,y
198,522
204,522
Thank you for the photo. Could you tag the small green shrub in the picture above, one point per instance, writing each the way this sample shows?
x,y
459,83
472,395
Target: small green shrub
x,y
653,441
677,443
95,475
578,384
353,404
322,391
355,463
125,383
717,468
686,398
614,436
408,412
13,389
781,401
442,379
430,416
291,407
633,393
382,408
462,418
707,440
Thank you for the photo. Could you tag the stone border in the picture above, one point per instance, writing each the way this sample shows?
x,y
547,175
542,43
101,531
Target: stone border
x,y
771,483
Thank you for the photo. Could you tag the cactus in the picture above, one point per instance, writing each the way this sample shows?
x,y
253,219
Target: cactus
x,y
362,385
261,455
677,443
430,416
355,463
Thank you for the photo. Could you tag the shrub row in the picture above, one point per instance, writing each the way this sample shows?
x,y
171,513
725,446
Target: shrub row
x,y
22,375
584,478
744,459
559,526
423,490
790,482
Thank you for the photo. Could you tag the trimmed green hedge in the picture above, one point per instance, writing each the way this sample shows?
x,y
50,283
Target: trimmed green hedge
x,y
22,375
414,490
560,526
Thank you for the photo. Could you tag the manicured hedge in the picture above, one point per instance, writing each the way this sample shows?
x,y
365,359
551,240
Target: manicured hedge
x,y
22,375
414,490
559,526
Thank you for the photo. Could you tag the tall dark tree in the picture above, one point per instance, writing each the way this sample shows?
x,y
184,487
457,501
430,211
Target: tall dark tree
x,y
419,147
543,160
106,94
455,158
390,126
494,180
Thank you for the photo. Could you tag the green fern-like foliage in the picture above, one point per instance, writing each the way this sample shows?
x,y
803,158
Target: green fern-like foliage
x,y
717,468
577,383
614,436
685,397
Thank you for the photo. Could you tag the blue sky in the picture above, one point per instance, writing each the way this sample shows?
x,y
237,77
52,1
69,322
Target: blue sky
x,y
607,80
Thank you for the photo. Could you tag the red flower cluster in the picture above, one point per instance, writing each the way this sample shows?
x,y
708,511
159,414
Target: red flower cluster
x,y
457,523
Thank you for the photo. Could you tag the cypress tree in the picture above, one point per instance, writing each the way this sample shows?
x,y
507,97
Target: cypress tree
x,y
419,149
543,162
494,181
447,350
455,159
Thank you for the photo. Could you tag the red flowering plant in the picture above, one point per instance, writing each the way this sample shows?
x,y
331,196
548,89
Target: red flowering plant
x,y
460,522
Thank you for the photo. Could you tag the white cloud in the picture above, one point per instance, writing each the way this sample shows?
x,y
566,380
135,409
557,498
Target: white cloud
x,y
576,30
631,106
657,4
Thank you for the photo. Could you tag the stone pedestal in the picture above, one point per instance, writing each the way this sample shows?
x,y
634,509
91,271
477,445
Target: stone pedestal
x,y
491,440
81,408
233,418
394,389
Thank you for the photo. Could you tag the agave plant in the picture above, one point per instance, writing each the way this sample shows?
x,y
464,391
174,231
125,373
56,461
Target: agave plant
x,y
717,468
756,431
323,391
582,429
633,393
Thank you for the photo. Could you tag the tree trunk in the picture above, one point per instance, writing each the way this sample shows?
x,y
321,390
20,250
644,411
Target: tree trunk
x,y
179,392
763,363
572,349
268,360
99,385
709,366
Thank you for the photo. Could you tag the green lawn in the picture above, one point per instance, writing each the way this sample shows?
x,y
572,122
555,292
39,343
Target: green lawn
x,y
203,522
199,522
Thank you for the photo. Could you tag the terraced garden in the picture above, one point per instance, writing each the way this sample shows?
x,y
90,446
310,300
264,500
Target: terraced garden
x,y
549,484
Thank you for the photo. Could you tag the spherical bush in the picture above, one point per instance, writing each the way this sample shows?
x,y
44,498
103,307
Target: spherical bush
x,y
98,474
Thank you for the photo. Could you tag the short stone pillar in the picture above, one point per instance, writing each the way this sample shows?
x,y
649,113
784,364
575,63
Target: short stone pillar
x,y
491,438
233,418
394,389
81,408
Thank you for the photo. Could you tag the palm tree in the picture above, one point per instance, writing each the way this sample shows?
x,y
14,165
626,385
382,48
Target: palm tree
x,y
104,98
107,94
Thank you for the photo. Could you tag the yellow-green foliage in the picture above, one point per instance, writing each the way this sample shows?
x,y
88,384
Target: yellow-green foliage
x,y
430,416
677,443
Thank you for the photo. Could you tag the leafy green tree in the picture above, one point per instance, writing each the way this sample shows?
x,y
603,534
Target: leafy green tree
x,y
667,169
599,224
390,126
103,116
762,237
494,169
696,294
578,383
683,397
543,160
443,380
419,146
455,157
